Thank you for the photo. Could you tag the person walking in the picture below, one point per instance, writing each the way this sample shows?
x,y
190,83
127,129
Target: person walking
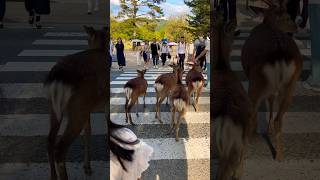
x,y
2,12
35,9
111,53
96,7
120,54
206,53
199,47
164,50
155,53
146,54
181,52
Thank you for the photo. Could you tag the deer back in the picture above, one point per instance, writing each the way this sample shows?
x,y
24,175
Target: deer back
x,y
269,44
138,84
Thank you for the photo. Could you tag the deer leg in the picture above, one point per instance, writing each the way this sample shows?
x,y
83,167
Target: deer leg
x,y
173,116
87,136
144,100
137,104
133,100
286,98
54,129
157,101
159,104
180,116
270,124
197,99
239,169
256,95
126,110
76,122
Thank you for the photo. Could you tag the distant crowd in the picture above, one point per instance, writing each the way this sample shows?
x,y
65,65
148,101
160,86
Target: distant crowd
x,y
166,53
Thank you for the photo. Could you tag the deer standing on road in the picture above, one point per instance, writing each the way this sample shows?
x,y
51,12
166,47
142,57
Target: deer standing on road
x,y
164,86
135,88
273,63
195,83
179,103
76,86
231,105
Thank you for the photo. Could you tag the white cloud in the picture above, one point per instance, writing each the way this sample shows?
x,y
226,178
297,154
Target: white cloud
x,y
115,2
174,9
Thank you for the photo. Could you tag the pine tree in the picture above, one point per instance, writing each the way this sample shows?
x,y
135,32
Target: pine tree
x,y
199,20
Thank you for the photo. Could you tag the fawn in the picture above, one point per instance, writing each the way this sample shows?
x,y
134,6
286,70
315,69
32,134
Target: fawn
x,y
195,83
133,89
179,103
273,63
164,86
76,85
231,105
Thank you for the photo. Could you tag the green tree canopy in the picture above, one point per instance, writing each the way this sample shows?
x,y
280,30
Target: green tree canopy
x,y
199,20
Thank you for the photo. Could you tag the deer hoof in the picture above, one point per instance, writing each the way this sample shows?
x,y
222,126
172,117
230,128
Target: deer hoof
x,y
177,139
279,157
88,171
137,114
133,124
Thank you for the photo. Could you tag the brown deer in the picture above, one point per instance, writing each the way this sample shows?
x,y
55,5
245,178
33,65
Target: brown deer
x,y
164,85
76,86
133,89
179,102
273,63
195,83
231,105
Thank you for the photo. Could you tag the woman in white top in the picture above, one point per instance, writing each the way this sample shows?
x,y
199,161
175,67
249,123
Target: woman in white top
x,y
164,51
181,52
129,156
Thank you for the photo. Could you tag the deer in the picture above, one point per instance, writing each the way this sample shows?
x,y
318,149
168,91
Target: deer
x,y
272,63
179,102
195,83
133,89
76,86
164,85
232,107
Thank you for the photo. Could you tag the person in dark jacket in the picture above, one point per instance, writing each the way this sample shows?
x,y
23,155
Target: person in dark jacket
x,y
293,9
230,11
120,54
2,11
155,48
36,8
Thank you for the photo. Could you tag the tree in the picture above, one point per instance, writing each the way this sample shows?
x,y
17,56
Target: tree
x,y
139,10
200,18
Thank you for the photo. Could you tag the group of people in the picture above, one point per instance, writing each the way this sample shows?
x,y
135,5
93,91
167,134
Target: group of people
x,y
163,51
36,8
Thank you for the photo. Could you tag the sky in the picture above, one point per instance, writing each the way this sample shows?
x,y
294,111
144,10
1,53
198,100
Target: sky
x,y
170,8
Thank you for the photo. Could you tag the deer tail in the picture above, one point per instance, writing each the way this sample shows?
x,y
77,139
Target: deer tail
x,y
128,92
158,86
59,95
180,104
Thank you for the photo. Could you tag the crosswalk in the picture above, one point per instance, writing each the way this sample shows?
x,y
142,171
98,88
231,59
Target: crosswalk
x,y
301,128
24,122
171,159
24,118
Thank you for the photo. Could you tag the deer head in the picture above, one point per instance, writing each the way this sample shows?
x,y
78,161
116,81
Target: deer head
x,y
277,17
141,73
97,39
